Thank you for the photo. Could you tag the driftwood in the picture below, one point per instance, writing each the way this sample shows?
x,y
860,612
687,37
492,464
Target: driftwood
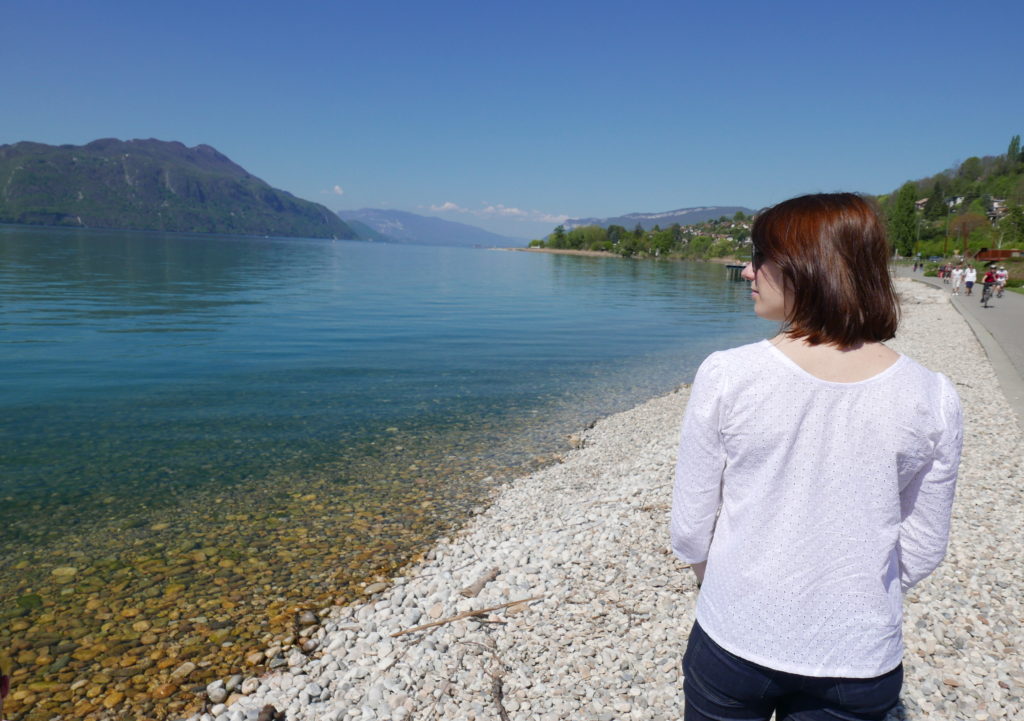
x,y
474,589
499,694
466,614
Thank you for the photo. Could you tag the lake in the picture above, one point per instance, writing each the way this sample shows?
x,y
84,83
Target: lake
x,y
225,428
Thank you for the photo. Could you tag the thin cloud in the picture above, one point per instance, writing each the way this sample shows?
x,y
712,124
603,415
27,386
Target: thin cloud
x,y
549,218
448,206
500,210
338,190
504,211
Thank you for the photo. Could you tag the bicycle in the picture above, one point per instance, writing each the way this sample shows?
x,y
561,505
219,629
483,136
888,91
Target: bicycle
x,y
986,295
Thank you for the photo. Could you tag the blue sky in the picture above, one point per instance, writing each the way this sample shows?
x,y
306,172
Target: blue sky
x,y
512,116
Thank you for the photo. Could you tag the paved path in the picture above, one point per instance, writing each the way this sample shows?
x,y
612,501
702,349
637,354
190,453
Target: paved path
x,y
999,328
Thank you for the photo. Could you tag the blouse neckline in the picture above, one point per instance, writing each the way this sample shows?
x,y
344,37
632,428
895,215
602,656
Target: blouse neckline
x,y
786,360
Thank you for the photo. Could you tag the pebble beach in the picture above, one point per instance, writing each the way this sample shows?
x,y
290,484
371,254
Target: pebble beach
x,y
561,599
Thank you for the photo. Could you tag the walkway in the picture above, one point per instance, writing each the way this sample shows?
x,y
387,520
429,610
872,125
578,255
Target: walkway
x,y
999,328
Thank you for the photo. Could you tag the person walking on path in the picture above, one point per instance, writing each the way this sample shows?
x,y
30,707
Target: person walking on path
x,y
814,482
958,278
970,277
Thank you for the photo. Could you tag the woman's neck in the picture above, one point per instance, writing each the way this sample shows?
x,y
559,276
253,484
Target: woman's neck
x,y
838,365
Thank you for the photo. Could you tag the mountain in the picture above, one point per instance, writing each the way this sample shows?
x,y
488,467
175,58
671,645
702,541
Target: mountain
x,y
399,226
365,232
150,185
683,216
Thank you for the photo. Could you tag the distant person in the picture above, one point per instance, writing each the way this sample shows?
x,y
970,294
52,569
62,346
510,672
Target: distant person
x,y
970,276
958,278
814,482
1002,275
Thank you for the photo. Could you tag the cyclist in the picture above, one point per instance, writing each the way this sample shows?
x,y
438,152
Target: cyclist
x,y
1001,276
989,282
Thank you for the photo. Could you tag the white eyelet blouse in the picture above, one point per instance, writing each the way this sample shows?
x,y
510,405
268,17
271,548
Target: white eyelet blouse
x,y
815,505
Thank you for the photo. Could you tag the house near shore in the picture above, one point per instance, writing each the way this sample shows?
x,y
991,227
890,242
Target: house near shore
x,y
997,209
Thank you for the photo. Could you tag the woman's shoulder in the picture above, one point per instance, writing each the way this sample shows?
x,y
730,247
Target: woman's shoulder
x,y
740,354
917,379
732,362
738,357
912,368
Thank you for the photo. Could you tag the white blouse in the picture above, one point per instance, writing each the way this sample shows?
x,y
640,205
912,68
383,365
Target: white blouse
x,y
814,504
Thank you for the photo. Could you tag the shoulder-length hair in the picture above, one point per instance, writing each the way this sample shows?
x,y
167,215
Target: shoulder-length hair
x,y
832,252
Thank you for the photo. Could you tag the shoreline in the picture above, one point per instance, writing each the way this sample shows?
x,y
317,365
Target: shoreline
x,y
725,260
602,634
568,251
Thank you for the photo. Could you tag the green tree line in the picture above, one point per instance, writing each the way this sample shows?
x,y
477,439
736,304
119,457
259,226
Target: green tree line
x,y
725,237
976,204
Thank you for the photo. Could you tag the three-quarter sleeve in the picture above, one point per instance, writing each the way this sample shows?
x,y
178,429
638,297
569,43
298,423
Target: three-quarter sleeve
x,y
926,503
697,493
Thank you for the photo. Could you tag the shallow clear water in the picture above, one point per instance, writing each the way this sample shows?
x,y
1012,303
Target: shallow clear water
x,y
141,366
199,435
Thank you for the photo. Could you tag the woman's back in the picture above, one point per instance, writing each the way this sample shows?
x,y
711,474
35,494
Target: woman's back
x,y
804,573
815,479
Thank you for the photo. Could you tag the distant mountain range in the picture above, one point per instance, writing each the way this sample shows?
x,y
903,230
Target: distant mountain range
x,y
399,226
150,185
683,216
159,185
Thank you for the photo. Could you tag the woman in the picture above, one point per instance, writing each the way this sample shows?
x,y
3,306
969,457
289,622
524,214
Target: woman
x,y
814,483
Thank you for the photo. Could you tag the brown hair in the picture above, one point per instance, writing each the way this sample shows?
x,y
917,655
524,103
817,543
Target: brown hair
x,y
833,255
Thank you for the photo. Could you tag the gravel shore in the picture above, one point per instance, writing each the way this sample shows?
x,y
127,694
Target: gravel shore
x,y
603,637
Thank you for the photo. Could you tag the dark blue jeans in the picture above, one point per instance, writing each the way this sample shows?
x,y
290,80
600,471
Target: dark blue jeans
x,y
719,685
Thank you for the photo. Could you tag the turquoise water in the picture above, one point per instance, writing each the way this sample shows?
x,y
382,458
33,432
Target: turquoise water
x,y
209,433
141,369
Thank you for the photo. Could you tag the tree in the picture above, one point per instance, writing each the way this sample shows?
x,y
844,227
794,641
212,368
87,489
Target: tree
x,y
589,237
936,208
1012,226
638,231
558,237
662,242
1013,155
677,233
739,215
964,224
970,169
616,233
903,220
630,246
